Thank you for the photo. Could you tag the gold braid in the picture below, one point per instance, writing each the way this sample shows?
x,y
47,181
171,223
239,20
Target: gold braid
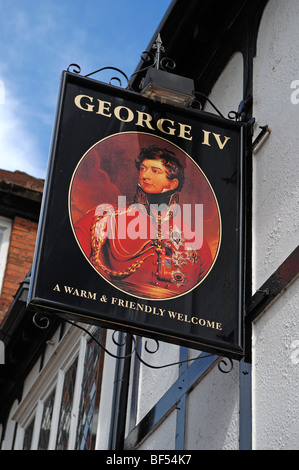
x,y
97,243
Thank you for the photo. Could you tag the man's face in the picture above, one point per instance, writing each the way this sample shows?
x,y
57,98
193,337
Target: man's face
x,y
153,177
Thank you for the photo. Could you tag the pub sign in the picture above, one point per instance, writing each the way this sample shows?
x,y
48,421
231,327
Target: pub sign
x,y
141,227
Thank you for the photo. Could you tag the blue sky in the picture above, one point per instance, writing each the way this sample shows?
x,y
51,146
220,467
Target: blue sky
x,y
39,39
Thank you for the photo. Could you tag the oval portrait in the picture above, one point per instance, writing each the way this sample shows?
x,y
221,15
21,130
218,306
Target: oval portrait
x,y
145,216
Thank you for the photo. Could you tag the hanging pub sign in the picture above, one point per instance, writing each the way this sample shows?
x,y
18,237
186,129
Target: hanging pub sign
x,y
141,227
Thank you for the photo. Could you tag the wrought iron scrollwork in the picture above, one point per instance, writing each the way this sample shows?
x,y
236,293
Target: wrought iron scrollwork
x,y
241,114
158,61
155,60
225,365
112,78
75,68
197,103
42,321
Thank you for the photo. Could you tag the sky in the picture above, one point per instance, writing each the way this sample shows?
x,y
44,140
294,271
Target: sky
x,y
41,38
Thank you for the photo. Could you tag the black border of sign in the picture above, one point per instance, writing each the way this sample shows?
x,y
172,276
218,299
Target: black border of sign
x,y
48,306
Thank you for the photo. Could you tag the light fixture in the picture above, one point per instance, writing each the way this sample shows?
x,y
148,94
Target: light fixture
x,y
164,86
168,88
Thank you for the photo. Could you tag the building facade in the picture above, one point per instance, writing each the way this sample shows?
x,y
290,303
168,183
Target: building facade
x,y
74,386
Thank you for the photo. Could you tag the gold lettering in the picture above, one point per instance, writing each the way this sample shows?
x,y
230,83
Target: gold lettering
x,y
144,118
92,295
104,108
169,130
68,289
78,293
130,114
206,138
88,107
221,145
184,131
172,314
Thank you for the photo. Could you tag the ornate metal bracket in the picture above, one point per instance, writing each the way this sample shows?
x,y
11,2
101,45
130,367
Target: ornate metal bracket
x,y
225,365
77,69
197,104
40,321
243,109
156,60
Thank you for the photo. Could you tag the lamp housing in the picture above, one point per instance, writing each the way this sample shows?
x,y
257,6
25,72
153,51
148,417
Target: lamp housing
x,y
168,88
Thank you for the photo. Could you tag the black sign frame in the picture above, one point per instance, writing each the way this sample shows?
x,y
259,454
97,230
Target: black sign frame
x,y
209,316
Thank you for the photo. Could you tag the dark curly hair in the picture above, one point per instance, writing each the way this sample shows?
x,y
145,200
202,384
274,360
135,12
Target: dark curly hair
x,y
174,169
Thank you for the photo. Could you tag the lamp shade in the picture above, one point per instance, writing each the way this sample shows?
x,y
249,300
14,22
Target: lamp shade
x,y
168,88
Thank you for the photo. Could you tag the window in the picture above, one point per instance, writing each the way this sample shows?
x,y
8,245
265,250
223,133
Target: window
x,y
45,428
90,396
28,435
5,230
66,407
60,408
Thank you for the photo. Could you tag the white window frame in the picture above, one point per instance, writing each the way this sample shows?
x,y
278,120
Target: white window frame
x,y
52,375
5,227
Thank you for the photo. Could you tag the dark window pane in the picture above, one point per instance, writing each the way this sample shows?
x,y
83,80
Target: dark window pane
x,y
28,436
45,429
66,408
90,395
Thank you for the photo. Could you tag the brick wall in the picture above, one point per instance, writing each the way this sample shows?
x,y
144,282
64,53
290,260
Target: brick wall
x,y
19,260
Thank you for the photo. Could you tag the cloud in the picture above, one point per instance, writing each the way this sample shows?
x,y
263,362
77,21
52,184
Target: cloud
x,y
18,146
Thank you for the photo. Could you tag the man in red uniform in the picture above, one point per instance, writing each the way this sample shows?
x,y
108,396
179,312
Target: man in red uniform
x,y
146,248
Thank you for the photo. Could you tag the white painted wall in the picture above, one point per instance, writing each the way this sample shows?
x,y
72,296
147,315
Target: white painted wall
x,y
276,375
227,92
212,421
164,436
275,228
276,164
153,382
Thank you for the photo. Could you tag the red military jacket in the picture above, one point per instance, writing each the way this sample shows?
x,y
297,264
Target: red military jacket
x,y
148,254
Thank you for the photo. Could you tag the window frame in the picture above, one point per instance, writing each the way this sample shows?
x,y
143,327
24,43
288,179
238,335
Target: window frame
x,y
5,227
43,380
